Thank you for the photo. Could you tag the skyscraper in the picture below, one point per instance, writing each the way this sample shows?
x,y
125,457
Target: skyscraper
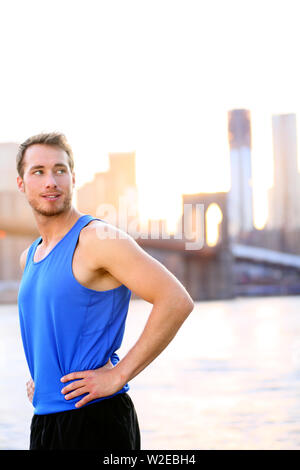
x,y
113,188
240,203
17,224
284,196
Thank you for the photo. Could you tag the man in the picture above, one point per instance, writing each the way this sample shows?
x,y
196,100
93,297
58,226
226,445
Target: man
x,y
73,301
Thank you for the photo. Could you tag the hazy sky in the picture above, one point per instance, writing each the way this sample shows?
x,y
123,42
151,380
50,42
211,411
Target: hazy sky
x,y
153,76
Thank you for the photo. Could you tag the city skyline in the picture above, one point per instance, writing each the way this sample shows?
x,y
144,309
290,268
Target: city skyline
x,y
111,85
262,163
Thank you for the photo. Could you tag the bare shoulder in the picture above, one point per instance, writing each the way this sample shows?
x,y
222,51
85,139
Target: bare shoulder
x,y
23,258
101,241
110,248
99,230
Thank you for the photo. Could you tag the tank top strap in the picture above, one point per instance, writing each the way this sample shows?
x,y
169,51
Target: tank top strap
x,y
71,238
31,251
70,242
80,224
66,246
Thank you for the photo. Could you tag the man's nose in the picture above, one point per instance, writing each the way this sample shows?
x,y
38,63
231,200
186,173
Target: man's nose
x,y
50,180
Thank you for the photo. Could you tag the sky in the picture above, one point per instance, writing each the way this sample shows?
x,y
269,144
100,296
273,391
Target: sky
x,y
154,77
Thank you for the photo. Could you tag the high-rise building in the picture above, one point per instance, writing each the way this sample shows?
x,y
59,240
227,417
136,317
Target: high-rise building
x,y
8,172
15,213
114,189
240,200
17,224
284,196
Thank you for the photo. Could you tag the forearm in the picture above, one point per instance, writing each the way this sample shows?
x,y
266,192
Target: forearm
x,y
163,323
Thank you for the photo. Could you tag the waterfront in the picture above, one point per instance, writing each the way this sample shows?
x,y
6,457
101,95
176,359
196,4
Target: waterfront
x,y
229,380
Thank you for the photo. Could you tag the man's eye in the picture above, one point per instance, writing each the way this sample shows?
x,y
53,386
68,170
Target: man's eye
x,y
37,171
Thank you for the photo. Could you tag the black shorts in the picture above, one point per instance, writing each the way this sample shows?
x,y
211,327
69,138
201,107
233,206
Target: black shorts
x,y
107,424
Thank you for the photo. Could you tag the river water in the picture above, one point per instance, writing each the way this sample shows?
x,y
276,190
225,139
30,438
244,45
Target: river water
x,y
230,379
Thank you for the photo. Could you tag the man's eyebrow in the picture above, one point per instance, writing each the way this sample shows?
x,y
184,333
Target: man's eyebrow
x,y
41,166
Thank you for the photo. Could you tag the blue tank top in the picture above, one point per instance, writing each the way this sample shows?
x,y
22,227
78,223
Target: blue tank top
x,y
66,327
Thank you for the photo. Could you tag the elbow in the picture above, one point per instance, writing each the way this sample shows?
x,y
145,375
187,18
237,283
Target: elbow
x,y
190,305
179,302
186,305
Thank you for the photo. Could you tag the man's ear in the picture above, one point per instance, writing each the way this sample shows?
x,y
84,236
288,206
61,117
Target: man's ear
x,y
20,184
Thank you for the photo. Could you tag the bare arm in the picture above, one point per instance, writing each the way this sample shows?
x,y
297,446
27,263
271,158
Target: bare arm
x,y
23,258
150,280
29,383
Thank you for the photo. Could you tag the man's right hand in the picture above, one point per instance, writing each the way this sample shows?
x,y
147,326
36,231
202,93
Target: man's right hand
x,y
30,389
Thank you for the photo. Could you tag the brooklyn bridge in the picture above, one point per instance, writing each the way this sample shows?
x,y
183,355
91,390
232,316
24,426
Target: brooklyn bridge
x,y
219,269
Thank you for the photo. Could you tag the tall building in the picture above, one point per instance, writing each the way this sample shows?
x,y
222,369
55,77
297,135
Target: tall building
x,y
113,189
284,196
15,213
17,224
8,172
240,200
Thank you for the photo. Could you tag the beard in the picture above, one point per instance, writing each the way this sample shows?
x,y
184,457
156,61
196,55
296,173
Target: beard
x,y
64,204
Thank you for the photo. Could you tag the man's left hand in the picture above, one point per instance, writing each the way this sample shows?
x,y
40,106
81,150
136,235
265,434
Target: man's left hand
x,y
96,383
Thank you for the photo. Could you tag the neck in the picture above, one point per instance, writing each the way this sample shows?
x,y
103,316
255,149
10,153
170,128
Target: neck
x,y
53,228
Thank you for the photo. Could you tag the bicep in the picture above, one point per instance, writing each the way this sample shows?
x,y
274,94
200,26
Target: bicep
x,y
23,258
124,259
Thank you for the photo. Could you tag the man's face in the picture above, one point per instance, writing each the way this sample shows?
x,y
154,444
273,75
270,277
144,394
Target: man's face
x,y
46,173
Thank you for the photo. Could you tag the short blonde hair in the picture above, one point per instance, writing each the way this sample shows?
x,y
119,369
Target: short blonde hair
x,y
56,139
